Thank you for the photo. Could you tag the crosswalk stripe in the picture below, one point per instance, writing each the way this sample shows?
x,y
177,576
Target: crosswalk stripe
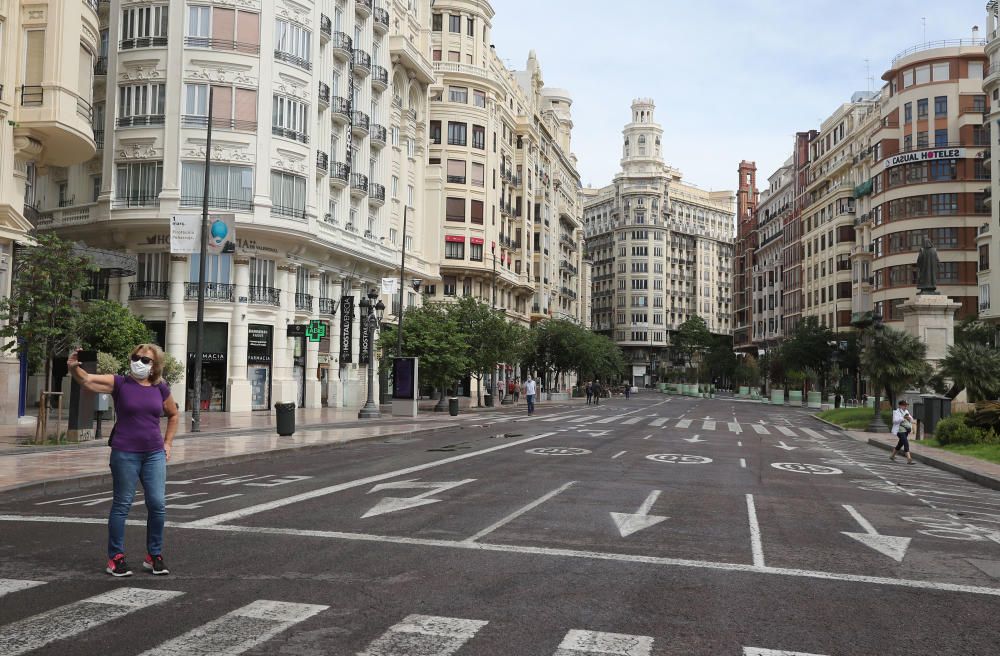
x,y
832,432
756,651
13,585
632,420
683,423
594,643
608,420
236,632
708,425
734,427
658,421
559,418
812,433
424,634
760,429
75,618
786,431
584,418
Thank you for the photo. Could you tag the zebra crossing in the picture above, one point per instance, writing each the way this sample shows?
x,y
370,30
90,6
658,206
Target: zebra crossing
x,y
256,623
706,424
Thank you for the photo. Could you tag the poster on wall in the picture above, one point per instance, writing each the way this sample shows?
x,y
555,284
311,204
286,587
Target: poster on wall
x,y
184,233
221,234
346,325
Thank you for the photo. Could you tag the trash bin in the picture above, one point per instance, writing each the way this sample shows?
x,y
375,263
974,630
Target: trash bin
x,y
285,418
936,408
453,406
488,400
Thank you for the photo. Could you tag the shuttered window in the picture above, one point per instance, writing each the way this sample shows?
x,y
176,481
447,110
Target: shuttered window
x,y
34,57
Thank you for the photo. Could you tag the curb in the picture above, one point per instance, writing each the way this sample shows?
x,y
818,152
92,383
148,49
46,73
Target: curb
x,y
985,480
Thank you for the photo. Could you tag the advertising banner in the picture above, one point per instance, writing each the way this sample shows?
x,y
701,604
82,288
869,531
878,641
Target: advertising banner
x,y
346,328
221,234
390,286
184,230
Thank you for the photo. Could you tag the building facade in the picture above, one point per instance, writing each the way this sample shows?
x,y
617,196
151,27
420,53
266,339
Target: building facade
x,y
46,112
662,250
776,202
745,246
987,242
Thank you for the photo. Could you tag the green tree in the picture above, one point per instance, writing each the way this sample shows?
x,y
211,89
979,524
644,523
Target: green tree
x,y
692,337
810,347
40,312
721,361
110,327
894,360
488,336
600,358
973,331
974,367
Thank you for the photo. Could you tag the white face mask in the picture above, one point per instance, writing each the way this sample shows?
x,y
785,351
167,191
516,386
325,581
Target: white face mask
x,y
141,371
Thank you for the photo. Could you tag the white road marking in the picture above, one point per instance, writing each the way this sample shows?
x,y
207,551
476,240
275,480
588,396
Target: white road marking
x,y
394,504
708,425
756,545
632,420
785,430
238,631
584,418
757,651
72,619
199,503
282,480
782,445
743,463
541,551
647,437
620,453
560,418
683,423
889,545
596,643
608,420
832,432
67,499
734,427
629,523
324,491
195,480
517,513
810,432
696,438
15,585
659,422
738,443
760,429
424,634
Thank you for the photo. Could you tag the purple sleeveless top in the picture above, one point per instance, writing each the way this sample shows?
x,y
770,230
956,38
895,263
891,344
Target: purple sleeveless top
x,y
138,408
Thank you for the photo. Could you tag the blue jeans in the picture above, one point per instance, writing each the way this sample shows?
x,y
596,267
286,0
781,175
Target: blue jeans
x,y
904,442
531,403
126,470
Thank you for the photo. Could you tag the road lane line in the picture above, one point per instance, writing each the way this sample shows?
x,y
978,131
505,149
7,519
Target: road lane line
x,y
648,436
608,420
812,433
786,431
734,427
597,643
757,651
517,513
584,418
561,418
914,584
323,491
683,423
15,585
755,542
743,463
620,453
72,619
238,631
425,634
760,429
739,443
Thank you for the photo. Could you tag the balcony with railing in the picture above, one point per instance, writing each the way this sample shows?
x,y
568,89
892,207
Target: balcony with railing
x,y
244,47
340,109
140,120
359,184
297,213
218,123
324,94
327,306
32,96
376,194
360,123
380,77
361,62
381,22
135,200
378,135
342,46
294,60
363,7
214,291
101,66
148,289
99,139
943,43
143,42
218,202
322,161
265,296
340,174
304,302
286,133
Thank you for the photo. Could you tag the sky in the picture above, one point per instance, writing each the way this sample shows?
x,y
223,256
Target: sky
x,y
731,80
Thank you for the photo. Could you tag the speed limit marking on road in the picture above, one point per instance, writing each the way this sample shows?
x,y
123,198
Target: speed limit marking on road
x,y
806,468
557,451
679,459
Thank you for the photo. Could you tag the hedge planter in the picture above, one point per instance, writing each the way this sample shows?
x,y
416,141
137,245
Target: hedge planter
x,y
744,391
777,397
815,400
795,397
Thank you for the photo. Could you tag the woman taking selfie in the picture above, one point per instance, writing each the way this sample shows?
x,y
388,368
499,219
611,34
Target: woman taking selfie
x,y
138,451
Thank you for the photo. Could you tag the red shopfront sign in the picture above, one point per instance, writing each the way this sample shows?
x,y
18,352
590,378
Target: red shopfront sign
x,y
475,240
455,238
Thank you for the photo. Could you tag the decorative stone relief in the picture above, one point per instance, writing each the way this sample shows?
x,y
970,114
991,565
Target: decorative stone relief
x,y
138,71
222,72
295,12
292,86
290,161
138,149
221,152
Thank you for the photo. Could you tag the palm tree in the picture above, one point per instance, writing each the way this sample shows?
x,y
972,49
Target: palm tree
x,y
894,360
973,367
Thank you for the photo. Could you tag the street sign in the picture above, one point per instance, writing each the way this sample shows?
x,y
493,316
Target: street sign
x,y
295,330
316,330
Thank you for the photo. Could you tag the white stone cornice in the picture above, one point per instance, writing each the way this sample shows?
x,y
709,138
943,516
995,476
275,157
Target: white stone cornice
x,y
224,72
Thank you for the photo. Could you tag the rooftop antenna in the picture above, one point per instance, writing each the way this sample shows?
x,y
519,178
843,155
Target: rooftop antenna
x,y
923,19
868,75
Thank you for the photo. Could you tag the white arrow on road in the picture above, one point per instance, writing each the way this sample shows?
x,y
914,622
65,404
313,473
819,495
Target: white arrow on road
x,y
392,504
782,445
629,523
888,545
693,439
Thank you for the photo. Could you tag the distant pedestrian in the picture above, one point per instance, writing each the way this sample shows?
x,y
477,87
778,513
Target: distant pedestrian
x,y
511,386
902,424
529,394
598,390
517,390
590,392
628,391
139,453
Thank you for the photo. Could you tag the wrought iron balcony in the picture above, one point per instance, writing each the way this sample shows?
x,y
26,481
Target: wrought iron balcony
x,y
327,306
265,296
381,22
378,135
376,193
143,42
218,123
339,173
294,60
325,27
138,121
214,291
359,183
222,44
294,135
322,161
364,7
218,202
148,289
32,96
380,77
101,66
324,93
361,61
135,201
361,122
342,46
304,302
341,108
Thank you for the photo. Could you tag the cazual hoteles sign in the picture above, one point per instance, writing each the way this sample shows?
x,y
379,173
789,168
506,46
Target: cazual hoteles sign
x,y
924,156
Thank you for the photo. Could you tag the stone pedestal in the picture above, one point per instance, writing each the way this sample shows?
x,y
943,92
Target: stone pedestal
x,y
931,318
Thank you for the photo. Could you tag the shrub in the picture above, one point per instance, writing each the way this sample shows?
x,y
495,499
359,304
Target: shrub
x,y
954,430
173,370
107,363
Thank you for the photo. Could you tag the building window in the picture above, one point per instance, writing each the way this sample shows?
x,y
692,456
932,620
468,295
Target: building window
x,y
436,54
454,250
479,98
229,187
454,56
457,134
476,213
144,27
458,95
941,71
908,113
478,175
435,132
476,252
941,138
478,137
289,118
975,70
141,104
436,22
940,106
138,184
221,28
292,44
455,23
456,171
455,209
922,139
288,195
922,108
470,26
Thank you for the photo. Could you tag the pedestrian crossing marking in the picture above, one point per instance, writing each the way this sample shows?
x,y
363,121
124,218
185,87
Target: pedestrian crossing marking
x,y
810,432
72,619
832,432
426,635
608,420
683,423
786,431
658,422
584,418
760,429
632,420
756,651
238,631
595,643
708,425
734,427
15,585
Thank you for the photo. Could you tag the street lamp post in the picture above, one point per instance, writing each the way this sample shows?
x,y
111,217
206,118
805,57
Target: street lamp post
x,y
371,316
876,425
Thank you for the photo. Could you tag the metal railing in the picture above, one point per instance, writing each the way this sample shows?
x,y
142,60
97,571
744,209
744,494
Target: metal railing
x,y
325,25
364,4
340,171
303,302
294,60
327,306
322,161
380,75
294,135
378,133
360,182
99,139
943,43
342,41
218,122
148,289
290,212
101,66
341,106
135,201
84,109
265,296
361,121
361,59
381,17
143,42
222,44
456,179
218,203
140,120
376,191
324,93
214,291
32,96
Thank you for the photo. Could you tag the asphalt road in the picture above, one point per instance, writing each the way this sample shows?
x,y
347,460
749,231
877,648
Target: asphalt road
x,y
659,525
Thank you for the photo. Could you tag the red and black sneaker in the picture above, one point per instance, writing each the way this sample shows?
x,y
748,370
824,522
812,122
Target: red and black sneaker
x,y
118,567
155,565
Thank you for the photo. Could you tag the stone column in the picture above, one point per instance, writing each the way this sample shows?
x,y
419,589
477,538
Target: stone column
x,y
238,393
314,392
283,387
177,324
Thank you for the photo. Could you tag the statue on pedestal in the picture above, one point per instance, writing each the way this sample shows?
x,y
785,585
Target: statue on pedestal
x,y
927,268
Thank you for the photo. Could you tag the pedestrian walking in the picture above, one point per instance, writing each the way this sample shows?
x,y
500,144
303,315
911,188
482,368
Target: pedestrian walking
x,y
139,453
590,392
598,390
529,394
902,424
628,391
517,390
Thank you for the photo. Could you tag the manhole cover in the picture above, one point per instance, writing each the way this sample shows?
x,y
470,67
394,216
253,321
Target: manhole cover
x,y
679,459
557,451
805,468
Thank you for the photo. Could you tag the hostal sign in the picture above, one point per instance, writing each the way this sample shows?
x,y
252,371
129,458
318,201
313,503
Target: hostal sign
x,y
924,156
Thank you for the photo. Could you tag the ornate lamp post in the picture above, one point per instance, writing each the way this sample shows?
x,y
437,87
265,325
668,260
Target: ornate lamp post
x,y
875,323
371,318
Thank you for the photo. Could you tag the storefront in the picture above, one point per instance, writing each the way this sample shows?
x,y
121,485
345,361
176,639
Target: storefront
x,y
297,333
324,365
259,350
214,366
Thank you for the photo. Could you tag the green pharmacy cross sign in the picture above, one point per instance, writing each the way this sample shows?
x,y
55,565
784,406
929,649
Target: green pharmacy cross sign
x,y
316,330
